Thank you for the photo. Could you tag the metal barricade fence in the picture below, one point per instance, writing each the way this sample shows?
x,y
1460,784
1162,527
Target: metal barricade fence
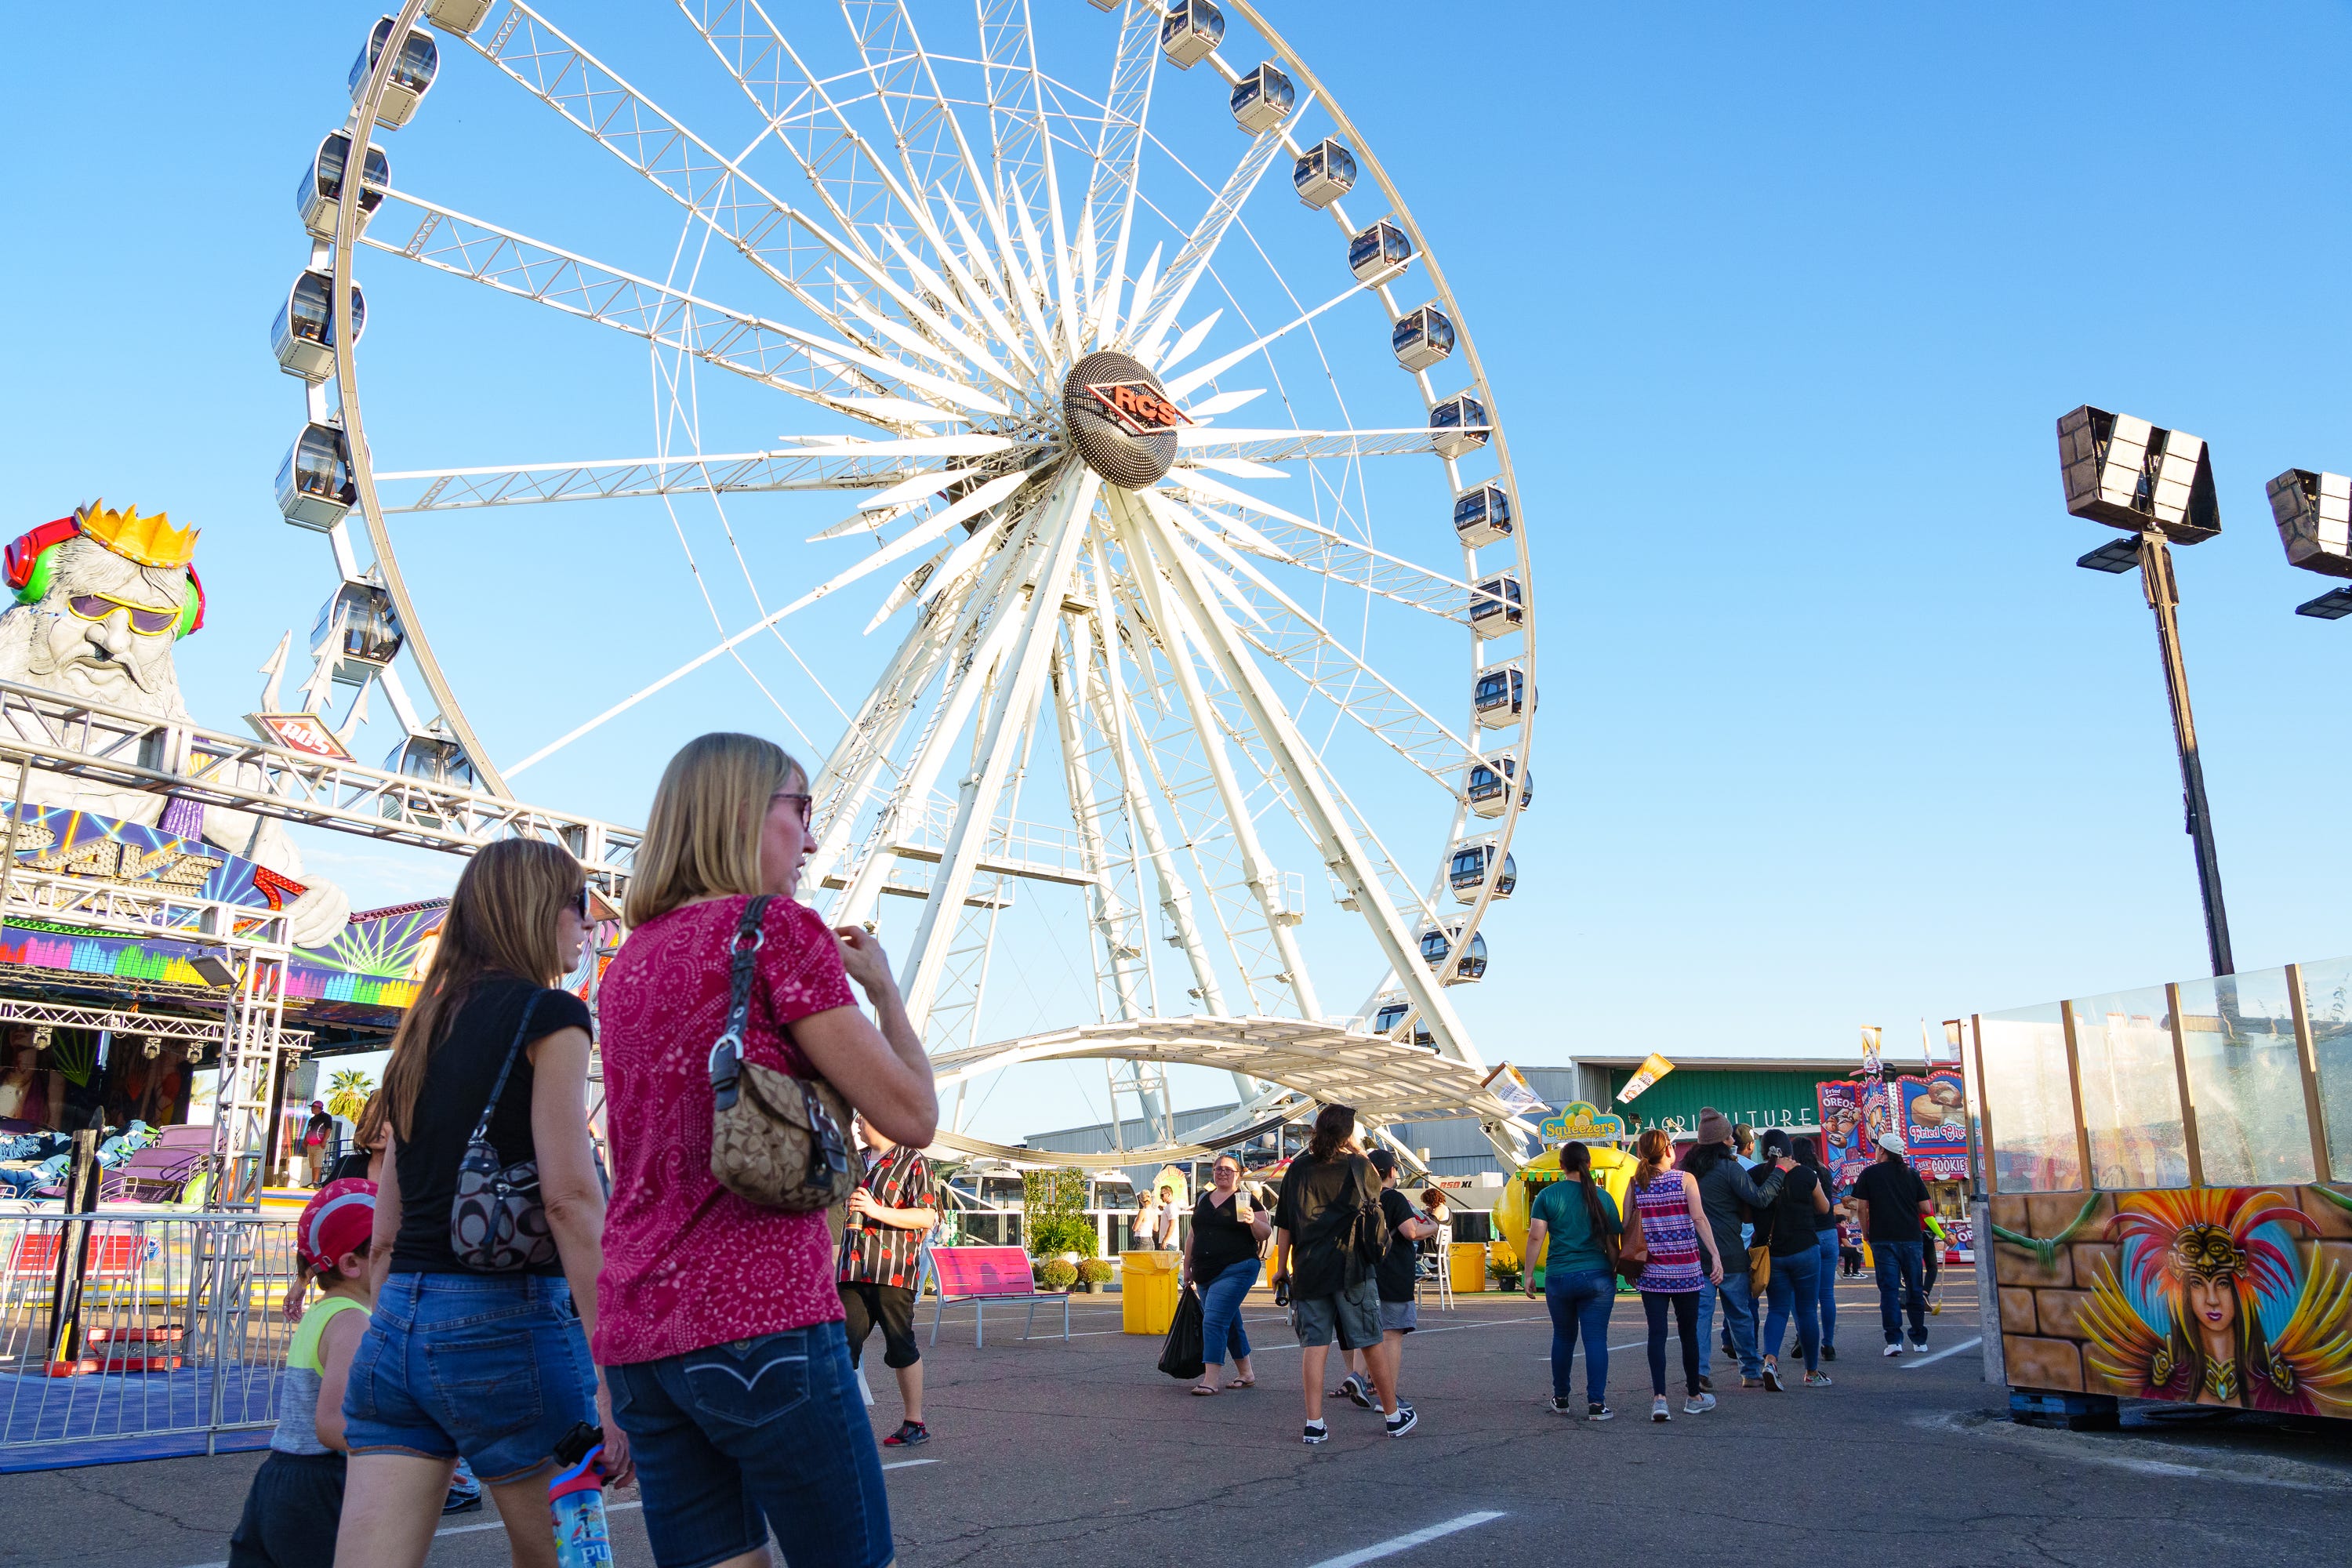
x,y
116,1325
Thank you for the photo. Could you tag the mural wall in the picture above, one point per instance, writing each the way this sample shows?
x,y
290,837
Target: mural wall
x,y
2229,1296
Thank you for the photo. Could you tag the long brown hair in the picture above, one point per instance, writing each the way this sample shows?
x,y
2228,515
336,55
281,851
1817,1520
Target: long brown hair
x,y
1577,1160
501,921
1656,1149
1334,1125
702,836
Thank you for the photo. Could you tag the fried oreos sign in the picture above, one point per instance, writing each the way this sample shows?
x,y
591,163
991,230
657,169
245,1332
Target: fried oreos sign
x,y
1122,424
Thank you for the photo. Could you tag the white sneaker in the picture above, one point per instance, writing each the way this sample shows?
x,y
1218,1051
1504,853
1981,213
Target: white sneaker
x,y
1700,1404
1919,1344
1658,1411
1892,1350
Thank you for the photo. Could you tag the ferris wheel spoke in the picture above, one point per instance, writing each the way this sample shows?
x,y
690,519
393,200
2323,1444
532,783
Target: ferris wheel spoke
x,y
1292,446
452,490
1110,189
1184,384
1294,541
1337,846
801,363
1175,287
1289,634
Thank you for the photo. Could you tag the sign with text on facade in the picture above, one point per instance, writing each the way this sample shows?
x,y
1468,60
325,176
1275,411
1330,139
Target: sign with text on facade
x,y
1581,1122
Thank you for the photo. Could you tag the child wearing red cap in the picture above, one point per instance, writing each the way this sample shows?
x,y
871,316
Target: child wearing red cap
x,y
297,1500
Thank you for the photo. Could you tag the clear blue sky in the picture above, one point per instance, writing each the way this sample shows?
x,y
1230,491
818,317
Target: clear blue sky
x,y
1779,307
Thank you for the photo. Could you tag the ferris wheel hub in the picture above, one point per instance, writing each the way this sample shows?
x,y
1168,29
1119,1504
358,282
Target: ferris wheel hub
x,y
1120,420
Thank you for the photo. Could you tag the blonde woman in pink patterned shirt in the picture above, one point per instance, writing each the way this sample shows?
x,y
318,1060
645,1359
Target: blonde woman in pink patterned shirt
x,y
719,1326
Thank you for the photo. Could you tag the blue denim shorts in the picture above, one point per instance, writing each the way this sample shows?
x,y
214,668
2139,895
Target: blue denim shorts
x,y
737,1438
490,1367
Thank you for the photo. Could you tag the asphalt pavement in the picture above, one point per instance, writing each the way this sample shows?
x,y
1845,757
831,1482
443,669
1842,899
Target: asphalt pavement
x,y
1049,1455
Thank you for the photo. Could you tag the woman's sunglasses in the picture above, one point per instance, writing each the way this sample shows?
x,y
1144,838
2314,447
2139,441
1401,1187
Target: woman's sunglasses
x,y
807,802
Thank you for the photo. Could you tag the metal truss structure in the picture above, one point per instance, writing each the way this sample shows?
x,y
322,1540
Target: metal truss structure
x,y
1176,708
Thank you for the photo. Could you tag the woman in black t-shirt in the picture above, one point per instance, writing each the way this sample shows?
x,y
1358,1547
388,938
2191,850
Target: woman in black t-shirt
x,y
1796,1283
1221,1254
456,1361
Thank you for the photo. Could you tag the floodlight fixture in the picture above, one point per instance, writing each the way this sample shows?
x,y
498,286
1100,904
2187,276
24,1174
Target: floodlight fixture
x,y
2333,605
2157,485
2127,473
2116,555
212,971
2314,513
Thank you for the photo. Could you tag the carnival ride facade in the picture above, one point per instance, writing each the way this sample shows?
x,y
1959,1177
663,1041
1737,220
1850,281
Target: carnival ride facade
x,y
2169,1189
1017,314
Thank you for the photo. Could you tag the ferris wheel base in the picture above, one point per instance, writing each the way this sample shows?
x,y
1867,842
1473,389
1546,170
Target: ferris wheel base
x,y
1384,1080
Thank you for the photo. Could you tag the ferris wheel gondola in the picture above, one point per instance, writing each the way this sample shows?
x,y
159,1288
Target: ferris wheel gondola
x,y
1019,317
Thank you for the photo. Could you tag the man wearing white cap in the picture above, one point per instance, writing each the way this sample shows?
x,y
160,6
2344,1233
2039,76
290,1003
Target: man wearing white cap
x,y
1894,1201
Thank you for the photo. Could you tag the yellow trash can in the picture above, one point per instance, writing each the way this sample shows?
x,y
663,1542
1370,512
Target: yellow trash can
x,y
1148,1288
1469,1266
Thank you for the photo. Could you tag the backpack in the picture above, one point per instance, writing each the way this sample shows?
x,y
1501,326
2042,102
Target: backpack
x,y
1368,1240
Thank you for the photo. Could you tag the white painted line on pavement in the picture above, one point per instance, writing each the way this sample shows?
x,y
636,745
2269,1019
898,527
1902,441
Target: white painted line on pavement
x,y
1947,1350
1389,1548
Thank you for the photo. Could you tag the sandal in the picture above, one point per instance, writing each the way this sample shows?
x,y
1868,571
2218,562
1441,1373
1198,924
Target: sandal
x,y
1243,1383
1202,1389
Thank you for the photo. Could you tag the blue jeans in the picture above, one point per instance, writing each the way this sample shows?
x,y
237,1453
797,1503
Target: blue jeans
x,y
1221,1313
1795,1285
1826,1248
1898,1266
1580,1301
1738,1316
736,1438
492,1367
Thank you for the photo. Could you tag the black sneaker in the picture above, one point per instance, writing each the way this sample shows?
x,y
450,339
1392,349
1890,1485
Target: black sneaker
x,y
1563,1408
1706,1383
910,1435
1317,1433
1829,1352
1357,1394
1599,1413
1403,1421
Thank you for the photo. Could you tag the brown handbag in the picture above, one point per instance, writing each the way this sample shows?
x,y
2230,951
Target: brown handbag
x,y
776,1140
1633,1246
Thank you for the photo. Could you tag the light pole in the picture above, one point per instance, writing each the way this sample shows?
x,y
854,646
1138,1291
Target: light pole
x,y
2158,485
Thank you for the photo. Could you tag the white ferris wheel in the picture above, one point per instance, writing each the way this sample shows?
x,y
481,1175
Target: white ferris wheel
x,y
1181,628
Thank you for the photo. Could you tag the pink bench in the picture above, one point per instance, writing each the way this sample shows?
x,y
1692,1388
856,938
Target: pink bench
x,y
983,1274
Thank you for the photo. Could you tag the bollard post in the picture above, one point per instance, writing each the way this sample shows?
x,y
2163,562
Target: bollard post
x,y
65,1295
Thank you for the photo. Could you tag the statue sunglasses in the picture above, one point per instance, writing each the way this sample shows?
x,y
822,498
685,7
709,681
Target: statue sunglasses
x,y
145,620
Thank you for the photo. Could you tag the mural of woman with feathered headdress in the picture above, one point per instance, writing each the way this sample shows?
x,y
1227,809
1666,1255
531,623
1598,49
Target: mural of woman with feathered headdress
x,y
2213,1305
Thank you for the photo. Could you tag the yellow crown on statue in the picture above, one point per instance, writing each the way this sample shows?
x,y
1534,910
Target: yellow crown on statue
x,y
148,541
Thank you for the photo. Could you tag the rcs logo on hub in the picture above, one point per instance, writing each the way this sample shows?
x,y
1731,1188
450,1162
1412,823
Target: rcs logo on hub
x,y
1137,405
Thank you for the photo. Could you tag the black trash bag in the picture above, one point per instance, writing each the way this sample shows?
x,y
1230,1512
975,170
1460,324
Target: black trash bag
x,y
1181,1356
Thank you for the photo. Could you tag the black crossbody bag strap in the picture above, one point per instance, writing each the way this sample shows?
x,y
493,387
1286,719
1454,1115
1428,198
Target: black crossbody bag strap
x,y
514,1048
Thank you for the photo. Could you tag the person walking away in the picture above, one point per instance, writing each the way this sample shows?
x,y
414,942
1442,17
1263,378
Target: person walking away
x,y
294,1505
1730,1196
1892,1201
490,1366
1794,1285
1319,1250
1676,1228
315,1134
1577,1222
893,1207
1825,1245
1146,1221
720,1327
1394,1277
1221,1260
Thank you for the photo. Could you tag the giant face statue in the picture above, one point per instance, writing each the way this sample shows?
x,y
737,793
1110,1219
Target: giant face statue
x,y
102,598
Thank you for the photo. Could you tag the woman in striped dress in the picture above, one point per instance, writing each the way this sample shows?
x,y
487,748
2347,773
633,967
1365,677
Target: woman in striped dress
x,y
1675,1227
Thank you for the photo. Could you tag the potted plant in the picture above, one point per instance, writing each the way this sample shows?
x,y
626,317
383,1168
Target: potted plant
x,y
1503,1263
1094,1274
1058,1275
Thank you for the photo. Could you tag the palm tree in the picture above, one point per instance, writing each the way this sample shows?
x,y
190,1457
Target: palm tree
x,y
347,1095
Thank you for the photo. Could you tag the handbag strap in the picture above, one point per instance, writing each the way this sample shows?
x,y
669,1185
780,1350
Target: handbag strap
x,y
514,1047
727,1056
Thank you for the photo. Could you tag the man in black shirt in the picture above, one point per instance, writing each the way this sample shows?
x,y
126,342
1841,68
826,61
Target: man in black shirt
x,y
1892,1201
1329,1238
1395,1275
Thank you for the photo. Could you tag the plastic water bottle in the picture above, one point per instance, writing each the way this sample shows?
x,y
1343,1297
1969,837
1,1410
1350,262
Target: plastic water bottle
x,y
576,1497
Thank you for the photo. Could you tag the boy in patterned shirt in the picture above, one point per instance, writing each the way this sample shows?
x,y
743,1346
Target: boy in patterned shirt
x,y
893,1207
